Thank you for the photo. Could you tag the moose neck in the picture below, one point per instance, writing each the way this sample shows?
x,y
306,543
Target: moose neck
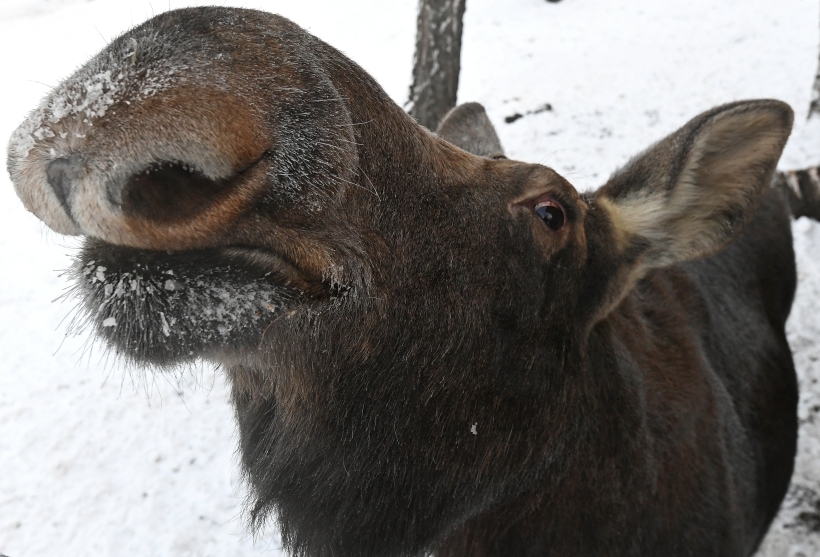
x,y
461,449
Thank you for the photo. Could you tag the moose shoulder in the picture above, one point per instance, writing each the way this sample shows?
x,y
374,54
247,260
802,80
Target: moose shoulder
x,y
431,350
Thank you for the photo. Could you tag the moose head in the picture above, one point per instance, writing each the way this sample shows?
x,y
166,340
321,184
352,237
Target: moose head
x,y
429,348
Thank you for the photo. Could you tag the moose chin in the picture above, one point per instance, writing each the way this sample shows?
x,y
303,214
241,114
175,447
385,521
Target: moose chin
x,y
431,347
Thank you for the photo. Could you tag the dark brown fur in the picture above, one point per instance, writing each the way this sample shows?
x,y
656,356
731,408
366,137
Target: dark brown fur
x,y
418,363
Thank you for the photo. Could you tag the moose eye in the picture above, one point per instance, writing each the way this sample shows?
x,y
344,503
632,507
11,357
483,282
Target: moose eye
x,y
551,213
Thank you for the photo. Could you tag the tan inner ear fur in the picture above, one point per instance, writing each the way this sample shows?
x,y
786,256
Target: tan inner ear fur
x,y
726,172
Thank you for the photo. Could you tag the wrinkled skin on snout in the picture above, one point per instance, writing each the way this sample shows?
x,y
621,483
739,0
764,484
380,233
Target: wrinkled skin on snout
x,y
431,350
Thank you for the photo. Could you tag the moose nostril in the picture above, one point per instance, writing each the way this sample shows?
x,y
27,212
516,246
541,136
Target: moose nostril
x,y
61,173
170,191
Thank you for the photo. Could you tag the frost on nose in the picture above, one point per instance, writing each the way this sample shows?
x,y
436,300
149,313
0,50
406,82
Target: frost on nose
x,y
43,160
60,158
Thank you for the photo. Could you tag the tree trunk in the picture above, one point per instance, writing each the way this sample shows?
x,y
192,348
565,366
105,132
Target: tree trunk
x,y
437,61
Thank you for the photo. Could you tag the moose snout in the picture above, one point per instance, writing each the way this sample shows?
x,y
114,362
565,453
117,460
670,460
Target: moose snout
x,y
61,174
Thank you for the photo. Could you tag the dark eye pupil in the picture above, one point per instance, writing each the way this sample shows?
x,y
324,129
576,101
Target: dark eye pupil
x,y
553,216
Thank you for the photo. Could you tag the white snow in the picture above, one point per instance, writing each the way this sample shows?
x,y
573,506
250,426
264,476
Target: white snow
x,y
98,461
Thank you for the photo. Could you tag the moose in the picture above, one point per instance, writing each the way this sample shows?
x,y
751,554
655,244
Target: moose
x,y
431,348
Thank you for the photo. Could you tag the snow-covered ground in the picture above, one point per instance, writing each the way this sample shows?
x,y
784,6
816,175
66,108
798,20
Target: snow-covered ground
x,y
100,461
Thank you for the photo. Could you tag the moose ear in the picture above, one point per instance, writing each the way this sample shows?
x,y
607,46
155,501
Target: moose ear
x,y
467,126
688,195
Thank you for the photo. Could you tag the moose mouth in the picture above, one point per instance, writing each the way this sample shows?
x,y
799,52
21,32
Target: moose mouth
x,y
165,308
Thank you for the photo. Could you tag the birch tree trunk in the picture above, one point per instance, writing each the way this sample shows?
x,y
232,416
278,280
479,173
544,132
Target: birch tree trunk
x,y
437,61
